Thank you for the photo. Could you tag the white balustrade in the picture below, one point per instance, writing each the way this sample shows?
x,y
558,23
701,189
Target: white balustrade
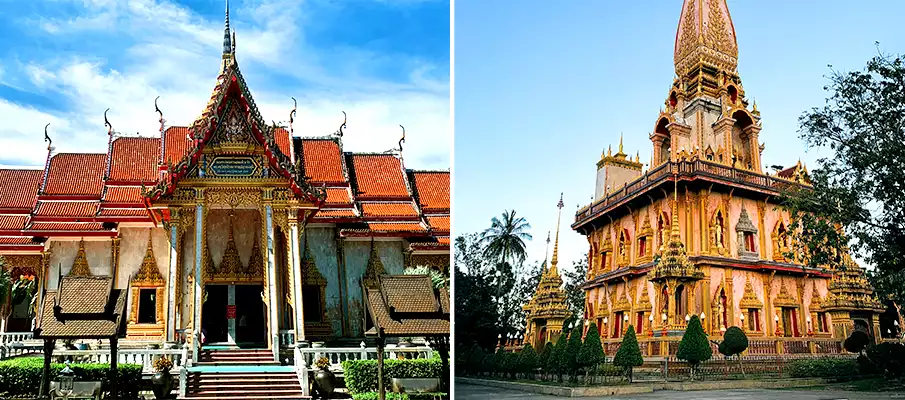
x,y
287,338
301,370
143,357
336,355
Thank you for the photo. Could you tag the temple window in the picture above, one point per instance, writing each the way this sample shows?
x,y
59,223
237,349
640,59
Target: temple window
x,y
724,310
680,304
749,242
623,249
604,258
617,325
753,319
311,302
822,325
718,230
790,322
733,94
642,247
147,306
639,322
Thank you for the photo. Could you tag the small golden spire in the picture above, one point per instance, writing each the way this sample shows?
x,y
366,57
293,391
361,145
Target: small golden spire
x,y
555,259
638,156
609,151
620,143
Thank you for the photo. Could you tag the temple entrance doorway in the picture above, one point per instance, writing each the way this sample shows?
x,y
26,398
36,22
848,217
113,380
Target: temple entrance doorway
x,y
234,315
214,326
251,322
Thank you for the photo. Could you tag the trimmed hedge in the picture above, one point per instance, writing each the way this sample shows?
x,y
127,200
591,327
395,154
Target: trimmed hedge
x,y
361,375
401,396
22,376
824,368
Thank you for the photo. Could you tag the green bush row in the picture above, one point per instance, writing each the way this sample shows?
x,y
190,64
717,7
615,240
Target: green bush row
x,y
22,376
361,375
400,396
823,368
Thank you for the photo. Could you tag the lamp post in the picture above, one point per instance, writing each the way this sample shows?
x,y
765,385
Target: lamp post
x,y
624,324
650,324
776,320
810,329
606,329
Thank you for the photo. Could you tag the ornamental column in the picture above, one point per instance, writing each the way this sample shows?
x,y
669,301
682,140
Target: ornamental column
x,y
171,276
296,276
271,279
199,257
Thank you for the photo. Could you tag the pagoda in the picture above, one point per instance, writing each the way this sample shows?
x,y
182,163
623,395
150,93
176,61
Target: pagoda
x,y
700,231
547,309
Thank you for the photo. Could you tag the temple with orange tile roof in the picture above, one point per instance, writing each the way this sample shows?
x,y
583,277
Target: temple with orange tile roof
x,y
230,227
701,231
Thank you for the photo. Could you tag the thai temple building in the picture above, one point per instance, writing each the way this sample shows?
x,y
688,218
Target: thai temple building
x,y
547,310
701,231
229,228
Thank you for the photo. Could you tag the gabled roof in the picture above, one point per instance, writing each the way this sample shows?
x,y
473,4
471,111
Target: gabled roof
x,y
407,305
432,190
378,176
19,188
322,160
84,307
134,160
75,174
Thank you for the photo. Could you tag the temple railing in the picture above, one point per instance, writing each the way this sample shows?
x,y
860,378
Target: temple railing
x,y
686,168
287,338
143,357
667,346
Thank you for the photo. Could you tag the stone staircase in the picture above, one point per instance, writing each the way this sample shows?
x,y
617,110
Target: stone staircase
x,y
241,374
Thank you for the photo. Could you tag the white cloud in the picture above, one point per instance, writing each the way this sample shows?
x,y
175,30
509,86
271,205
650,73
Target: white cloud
x,y
175,54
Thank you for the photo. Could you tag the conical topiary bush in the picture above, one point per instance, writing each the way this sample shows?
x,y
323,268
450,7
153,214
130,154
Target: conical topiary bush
x,y
694,347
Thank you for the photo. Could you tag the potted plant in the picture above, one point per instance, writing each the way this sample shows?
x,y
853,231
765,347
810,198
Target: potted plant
x,y
324,378
162,381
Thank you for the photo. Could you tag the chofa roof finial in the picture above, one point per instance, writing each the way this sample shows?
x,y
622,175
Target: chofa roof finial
x,y
292,115
227,44
401,140
108,124
47,137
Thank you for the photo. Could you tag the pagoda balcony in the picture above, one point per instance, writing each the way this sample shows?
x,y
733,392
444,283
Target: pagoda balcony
x,y
686,170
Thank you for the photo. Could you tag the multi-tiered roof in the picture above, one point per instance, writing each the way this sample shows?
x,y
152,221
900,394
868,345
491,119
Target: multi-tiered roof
x,y
549,301
89,194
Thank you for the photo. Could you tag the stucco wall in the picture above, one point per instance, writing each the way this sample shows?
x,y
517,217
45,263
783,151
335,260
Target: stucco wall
x,y
63,252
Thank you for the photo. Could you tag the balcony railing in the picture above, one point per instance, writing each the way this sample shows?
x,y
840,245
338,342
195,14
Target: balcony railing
x,y
696,168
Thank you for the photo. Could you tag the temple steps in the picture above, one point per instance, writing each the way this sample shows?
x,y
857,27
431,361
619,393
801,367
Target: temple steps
x,y
238,374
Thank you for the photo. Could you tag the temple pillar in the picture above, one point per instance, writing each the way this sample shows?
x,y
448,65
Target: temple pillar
x,y
704,198
296,277
172,280
769,327
705,302
273,318
199,257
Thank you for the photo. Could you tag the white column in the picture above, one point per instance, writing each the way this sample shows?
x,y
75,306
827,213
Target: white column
x,y
297,279
172,282
271,285
196,304
231,322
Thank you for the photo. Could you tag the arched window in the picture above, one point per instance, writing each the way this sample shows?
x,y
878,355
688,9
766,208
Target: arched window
x,y
681,307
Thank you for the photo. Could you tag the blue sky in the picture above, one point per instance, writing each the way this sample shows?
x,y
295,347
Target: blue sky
x,y
384,62
543,87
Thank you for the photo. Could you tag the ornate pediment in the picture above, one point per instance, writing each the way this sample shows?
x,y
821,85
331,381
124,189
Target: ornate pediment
x,y
310,274
644,302
784,298
148,274
375,267
80,264
749,299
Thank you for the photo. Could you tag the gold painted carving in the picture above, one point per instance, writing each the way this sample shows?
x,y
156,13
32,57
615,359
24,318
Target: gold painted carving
x,y
784,298
749,299
148,274
80,264
374,268
234,198
646,233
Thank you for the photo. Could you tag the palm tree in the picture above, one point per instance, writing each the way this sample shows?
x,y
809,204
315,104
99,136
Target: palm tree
x,y
505,241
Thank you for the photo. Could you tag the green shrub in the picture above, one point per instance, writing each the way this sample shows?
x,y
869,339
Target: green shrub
x,y
889,358
569,358
361,375
629,354
856,341
547,349
823,368
694,347
734,342
22,376
527,359
591,353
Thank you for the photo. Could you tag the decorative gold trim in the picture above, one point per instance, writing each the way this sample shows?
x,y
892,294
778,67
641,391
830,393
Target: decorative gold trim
x,y
311,276
784,298
749,299
80,264
148,274
374,268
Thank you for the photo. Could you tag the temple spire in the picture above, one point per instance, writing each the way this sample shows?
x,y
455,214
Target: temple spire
x,y
227,43
555,259
546,252
705,36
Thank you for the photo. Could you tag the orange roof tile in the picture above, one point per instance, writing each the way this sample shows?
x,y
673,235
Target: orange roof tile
x,y
379,176
177,144
16,240
76,174
338,196
67,208
123,194
346,212
322,160
433,190
388,210
65,226
123,212
284,142
12,222
443,240
440,223
396,227
134,159
19,187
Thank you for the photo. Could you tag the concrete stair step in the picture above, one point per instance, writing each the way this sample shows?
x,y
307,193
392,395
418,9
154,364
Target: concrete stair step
x,y
206,386
260,394
274,397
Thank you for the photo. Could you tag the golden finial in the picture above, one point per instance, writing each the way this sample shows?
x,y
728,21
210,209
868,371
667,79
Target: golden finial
x,y
108,124
609,150
555,259
620,143
754,107
638,156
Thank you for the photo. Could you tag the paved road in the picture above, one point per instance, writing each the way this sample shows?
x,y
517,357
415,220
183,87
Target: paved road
x,y
474,392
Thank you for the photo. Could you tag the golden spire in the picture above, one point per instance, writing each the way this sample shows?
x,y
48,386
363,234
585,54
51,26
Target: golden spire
x,y
705,36
546,252
620,143
555,260
80,264
609,151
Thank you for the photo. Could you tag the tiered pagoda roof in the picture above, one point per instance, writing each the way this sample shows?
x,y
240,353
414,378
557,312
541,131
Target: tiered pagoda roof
x,y
88,194
549,301
673,256
849,290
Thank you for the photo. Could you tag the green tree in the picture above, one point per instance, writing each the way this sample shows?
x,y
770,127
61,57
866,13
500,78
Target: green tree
x,y
591,355
734,343
437,277
558,353
629,354
475,359
569,358
544,357
694,347
476,314
858,185
505,243
527,360
572,281
856,341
